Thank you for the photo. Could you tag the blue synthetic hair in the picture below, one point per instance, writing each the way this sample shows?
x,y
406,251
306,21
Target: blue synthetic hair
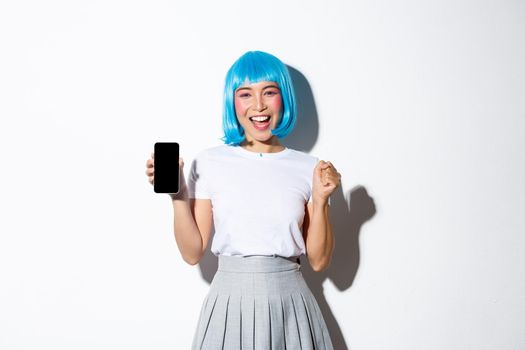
x,y
253,67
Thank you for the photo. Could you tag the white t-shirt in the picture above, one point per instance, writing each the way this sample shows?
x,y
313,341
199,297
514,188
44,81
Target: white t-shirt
x,y
258,199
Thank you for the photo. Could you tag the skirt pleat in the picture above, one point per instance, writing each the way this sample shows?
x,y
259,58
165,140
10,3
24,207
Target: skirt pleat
x,y
276,323
232,340
262,329
205,316
321,326
315,329
258,303
216,329
307,337
247,323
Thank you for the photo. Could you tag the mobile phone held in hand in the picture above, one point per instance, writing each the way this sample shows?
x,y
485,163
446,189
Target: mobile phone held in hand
x,y
166,165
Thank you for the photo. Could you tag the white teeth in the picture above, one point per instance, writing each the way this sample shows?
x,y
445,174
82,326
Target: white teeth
x,y
260,119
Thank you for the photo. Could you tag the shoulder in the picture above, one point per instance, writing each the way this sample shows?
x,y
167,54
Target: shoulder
x,y
303,157
214,156
213,151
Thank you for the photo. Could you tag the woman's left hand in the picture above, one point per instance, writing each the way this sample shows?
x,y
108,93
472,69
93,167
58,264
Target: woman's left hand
x,y
325,181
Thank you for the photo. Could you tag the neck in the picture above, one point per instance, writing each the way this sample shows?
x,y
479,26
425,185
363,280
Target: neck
x,y
271,146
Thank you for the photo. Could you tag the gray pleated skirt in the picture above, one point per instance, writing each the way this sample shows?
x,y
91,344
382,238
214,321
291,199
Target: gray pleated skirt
x,y
258,303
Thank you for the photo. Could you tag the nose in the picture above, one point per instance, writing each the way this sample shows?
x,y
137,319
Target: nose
x,y
259,104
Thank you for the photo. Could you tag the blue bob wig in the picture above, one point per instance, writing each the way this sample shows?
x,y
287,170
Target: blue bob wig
x,y
254,67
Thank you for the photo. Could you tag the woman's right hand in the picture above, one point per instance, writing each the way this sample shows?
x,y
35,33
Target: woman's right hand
x,y
150,169
150,172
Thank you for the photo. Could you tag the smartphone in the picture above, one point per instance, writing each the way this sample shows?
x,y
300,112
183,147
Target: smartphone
x,y
166,163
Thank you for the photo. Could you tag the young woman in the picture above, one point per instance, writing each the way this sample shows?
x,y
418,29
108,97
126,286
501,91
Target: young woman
x,y
267,205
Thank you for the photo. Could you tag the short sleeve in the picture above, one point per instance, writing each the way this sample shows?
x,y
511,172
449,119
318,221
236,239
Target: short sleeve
x,y
311,176
198,186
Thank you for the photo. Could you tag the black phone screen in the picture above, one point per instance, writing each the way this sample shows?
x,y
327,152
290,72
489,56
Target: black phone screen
x,y
166,163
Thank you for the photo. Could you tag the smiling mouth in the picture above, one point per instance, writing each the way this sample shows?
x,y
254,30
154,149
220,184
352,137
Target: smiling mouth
x,y
261,122
260,118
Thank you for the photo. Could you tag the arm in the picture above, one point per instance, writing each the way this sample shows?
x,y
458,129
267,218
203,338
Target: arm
x,y
193,218
192,227
317,229
193,222
318,234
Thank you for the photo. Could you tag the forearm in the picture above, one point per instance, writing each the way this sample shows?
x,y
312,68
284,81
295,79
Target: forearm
x,y
320,238
187,234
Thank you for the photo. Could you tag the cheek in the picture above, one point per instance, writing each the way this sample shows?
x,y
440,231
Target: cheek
x,y
276,104
240,108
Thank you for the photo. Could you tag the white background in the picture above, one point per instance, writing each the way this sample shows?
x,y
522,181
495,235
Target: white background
x,y
419,104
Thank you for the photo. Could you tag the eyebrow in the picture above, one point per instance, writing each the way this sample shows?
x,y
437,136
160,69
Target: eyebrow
x,y
249,88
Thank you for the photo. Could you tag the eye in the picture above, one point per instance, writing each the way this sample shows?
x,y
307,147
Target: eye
x,y
271,93
243,94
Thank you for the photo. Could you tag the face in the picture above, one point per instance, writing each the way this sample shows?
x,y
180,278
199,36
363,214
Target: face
x,y
258,109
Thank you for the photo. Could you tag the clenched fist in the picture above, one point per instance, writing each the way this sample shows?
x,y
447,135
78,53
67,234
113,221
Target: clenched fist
x,y
325,180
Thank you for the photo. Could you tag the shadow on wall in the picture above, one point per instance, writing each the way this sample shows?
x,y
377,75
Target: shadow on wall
x,y
348,214
306,131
